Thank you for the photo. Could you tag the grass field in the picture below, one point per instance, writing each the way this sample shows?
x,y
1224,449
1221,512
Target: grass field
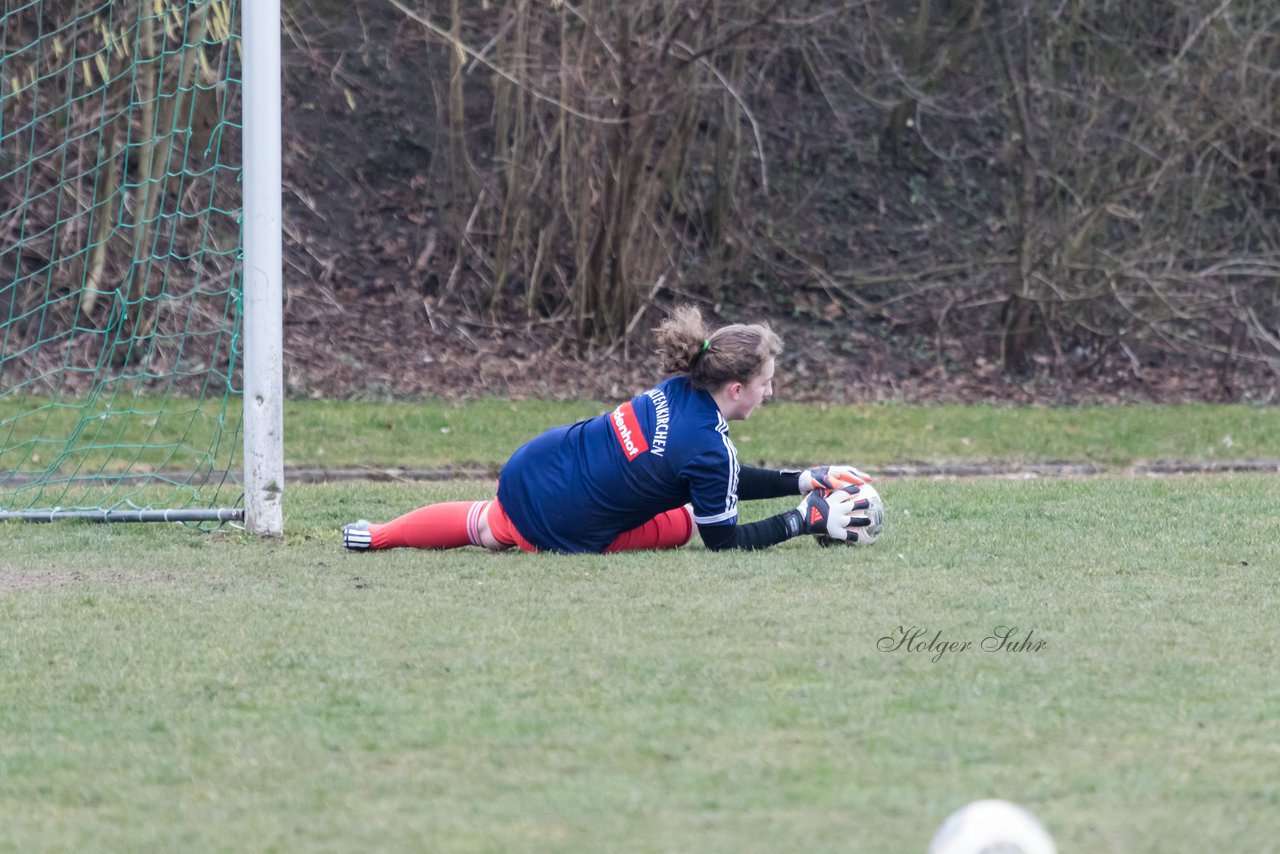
x,y
440,434
164,689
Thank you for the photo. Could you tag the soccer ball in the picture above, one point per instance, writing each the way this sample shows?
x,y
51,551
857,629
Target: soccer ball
x,y
992,827
865,536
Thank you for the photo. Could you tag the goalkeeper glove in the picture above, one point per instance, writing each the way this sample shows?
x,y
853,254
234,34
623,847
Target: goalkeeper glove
x,y
831,477
828,514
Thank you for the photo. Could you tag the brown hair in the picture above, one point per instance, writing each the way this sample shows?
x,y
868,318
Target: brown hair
x,y
734,353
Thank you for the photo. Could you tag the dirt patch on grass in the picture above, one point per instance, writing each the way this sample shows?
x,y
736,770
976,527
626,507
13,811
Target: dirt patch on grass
x,y
47,579
39,579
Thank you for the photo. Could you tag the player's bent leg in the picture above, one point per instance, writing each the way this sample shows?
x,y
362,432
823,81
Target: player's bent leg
x,y
497,527
669,530
437,526
486,535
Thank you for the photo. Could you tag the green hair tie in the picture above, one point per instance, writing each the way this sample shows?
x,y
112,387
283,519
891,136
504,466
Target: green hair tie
x,y
705,344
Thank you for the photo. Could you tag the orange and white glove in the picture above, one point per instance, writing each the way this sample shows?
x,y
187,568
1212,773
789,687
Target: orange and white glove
x,y
829,514
831,477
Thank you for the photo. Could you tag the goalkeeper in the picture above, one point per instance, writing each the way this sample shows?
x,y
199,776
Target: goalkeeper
x,y
644,475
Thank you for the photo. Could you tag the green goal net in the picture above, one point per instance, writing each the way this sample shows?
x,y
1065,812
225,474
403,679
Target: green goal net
x,y
120,259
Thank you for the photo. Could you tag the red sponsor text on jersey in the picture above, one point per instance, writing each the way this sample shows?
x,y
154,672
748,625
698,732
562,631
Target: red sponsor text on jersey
x,y
627,428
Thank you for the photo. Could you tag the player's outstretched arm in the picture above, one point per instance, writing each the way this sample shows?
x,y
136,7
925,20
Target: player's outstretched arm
x,y
831,514
756,483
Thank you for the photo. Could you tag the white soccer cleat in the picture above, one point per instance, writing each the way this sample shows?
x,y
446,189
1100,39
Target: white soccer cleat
x,y
356,536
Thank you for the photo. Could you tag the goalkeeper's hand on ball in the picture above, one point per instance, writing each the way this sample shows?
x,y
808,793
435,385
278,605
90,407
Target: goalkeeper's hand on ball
x,y
831,477
830,514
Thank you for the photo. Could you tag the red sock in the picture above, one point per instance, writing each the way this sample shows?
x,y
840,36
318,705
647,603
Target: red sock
x,y
668,530
436,526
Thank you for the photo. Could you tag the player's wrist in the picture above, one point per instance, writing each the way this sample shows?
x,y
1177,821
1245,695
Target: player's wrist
x,y
796,478
794,521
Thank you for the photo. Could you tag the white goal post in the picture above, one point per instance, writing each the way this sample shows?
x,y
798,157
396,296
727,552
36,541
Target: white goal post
x,y
263,272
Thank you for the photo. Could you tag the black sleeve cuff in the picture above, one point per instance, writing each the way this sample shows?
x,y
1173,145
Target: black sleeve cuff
x,y
752,536
754,483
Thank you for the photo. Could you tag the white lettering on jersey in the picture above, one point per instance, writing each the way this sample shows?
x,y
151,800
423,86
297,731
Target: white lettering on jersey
x,y
662,411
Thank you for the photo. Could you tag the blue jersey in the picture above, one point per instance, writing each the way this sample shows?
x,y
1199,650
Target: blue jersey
x,y
576,488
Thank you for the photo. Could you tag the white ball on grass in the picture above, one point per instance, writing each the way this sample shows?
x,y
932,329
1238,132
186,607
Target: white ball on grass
x,y
992,827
